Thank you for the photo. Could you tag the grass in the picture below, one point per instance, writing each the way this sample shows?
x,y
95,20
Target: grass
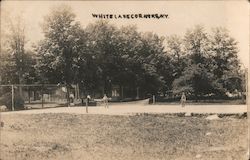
x,y
144,136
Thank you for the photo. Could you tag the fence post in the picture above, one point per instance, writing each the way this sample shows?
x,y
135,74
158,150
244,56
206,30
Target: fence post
x,y
122,92
87,105
12,98
42,97
137,92
153,99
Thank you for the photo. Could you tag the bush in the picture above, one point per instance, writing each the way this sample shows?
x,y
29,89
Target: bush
x,y
6,100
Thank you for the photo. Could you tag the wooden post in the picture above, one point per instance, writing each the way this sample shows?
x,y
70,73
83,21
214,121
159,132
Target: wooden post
x,y
87,105
122,92
78,91
42,98
29,94
12,98
153,99
137,92
67,94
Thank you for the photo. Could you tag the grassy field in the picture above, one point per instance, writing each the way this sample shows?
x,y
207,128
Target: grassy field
x,y
62,136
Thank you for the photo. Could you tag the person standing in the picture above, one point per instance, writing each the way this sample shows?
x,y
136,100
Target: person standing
x,y
87,102
71,99
183,99
105,100
88,99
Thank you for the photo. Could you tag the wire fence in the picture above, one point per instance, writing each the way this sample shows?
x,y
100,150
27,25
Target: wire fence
x,y
17,96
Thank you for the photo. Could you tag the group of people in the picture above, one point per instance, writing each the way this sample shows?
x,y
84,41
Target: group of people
x,y
104,100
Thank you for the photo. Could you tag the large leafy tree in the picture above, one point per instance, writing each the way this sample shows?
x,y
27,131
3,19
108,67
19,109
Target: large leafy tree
x,y
212,63
226,66
17,62
125,57
102,56
196,78
59,50
13,52
153,60
130,46
178,59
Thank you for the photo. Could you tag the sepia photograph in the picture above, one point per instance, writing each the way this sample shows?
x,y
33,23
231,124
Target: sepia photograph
x,y
124,80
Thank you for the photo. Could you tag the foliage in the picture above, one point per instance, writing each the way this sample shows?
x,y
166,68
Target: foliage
x,y
212,67
101,55
17,62
58,52
6,99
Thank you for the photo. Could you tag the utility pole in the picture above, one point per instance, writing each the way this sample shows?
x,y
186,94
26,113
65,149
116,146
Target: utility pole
x,y
153,99
42,97
12,98
137,92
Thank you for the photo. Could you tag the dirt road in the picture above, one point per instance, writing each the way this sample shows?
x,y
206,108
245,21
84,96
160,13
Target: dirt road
x,y
121,109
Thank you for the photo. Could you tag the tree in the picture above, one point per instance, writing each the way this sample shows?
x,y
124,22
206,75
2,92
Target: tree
x,y
226,66
212,63
102,56
178,58
152,56
14,50
58,51
123,56
196,78
17,62
130,61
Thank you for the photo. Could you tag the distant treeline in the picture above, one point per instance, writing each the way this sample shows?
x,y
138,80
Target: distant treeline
x,y
102,54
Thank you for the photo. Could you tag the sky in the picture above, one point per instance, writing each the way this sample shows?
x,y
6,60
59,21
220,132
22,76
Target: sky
x,y
182,15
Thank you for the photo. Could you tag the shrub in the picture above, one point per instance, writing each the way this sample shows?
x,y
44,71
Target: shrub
x,y
6,100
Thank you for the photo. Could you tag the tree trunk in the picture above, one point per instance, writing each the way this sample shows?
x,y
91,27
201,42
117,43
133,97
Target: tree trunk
x,y
29,94
67,94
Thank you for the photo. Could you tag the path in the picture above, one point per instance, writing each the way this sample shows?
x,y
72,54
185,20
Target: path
x,y
117,109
